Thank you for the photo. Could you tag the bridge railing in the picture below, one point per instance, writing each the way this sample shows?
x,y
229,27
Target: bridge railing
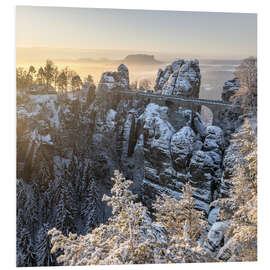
x,y
177,98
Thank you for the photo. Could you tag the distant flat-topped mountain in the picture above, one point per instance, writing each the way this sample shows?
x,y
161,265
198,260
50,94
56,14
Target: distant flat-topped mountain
x,y
140,59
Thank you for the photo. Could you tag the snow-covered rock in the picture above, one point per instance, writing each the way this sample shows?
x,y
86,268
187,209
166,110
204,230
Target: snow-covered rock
x,y
199,125
157,132
216,234
213,215
214,140
182,147
230,88
179,78
114,79
200,163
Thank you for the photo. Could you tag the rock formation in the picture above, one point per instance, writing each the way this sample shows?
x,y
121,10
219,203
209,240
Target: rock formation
x,y
114,79
180,78
230,119
230,88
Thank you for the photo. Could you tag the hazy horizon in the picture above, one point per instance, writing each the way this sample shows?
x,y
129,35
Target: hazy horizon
x,y
25,54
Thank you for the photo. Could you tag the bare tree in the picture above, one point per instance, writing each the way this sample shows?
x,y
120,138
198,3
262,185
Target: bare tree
x,y
247,94
247,73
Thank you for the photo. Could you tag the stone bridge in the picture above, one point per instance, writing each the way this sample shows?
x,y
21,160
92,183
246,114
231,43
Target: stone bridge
x,y
217,107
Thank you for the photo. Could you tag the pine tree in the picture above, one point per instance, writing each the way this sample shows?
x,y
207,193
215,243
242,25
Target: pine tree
x,y
25,244
66,209
185,226
60,214
131,237
90,206
241,207
127,238
43,247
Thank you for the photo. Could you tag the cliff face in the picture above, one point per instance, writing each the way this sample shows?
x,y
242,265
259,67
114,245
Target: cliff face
x,y
71,146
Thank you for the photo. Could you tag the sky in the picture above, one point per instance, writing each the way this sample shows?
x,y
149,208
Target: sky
x,y
194,34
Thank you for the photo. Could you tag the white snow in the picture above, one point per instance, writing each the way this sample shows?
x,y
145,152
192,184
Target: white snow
x,y
46,139
110,119
42,98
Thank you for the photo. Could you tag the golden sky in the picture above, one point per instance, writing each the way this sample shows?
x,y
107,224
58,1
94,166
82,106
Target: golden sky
x,y
112,33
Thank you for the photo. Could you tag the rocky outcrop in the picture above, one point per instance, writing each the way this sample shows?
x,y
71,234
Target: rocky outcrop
x,y
216,234
230,88
214,140
158,171
171,158
229,119
182,147
114,79
180,78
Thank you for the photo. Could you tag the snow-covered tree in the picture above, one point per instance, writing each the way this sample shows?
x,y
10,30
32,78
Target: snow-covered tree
x,y
66,209
246,96
131,236
43,247
241,207
185,226
90,206
25,248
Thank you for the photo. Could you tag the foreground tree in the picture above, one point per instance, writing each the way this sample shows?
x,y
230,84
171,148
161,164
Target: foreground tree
x,y
241,207
43,246
125,239
185,226
131,237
